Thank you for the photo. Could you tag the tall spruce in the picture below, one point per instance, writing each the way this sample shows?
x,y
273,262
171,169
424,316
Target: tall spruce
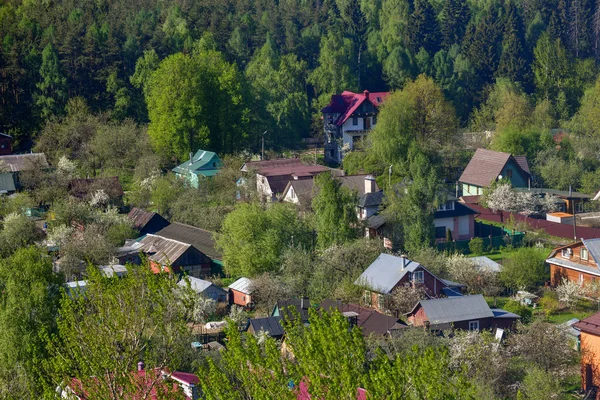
x,y
514,60
482,45
558,22
52,95
424,30
355,25
455,17
580,27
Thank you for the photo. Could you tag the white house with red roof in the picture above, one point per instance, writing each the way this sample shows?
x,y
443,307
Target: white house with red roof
x,y
347,119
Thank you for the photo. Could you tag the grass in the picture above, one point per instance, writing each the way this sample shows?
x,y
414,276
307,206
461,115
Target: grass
x,y
584,309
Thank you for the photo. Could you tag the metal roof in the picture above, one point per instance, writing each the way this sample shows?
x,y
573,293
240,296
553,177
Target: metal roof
x,y
373,199
199,238
242,285
197,285
593,246
7,183
22,162
484,262
112,270
573,265
203,163
590,324
270,325
367,319
454,309
162,250
385,272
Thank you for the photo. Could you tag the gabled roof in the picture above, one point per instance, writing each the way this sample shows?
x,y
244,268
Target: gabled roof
x,y
369,320
374,199
141,218
162,250
593,247
301,307
242,285
590,324
348,102
522,161
486,165
455,309
201,161
484,262
23,162
385,273
459,210
199,238
198,285
283,166
376,221
305,189
270,325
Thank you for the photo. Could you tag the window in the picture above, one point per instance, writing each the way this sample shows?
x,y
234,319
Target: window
x,y
447,206
378,99
581,279
584,253
354,121
566,253
367,297
473,325
417,277
579,207
380,301
509,173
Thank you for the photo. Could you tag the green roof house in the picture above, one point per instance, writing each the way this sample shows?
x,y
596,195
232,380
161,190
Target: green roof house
x,y
203,163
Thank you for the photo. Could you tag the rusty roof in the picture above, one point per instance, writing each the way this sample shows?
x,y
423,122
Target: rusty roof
x,y
486,165
23,162
369,320
162,250
590,324
141,217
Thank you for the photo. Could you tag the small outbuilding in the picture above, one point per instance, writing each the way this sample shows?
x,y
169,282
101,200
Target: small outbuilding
x,y
240,293
204,288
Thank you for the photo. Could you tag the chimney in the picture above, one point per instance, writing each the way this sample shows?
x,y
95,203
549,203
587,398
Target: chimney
x,y
366,93
141,366
403,257
370,184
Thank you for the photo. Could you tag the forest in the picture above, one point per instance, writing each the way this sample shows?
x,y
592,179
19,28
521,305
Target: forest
x,y
217,73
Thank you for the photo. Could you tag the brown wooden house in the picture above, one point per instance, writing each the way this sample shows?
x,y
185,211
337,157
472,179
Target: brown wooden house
x,y
577,262
461,312
590,352
388,272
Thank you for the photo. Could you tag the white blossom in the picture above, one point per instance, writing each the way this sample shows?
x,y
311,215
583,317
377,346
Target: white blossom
x,y
66,167
569,292
99,199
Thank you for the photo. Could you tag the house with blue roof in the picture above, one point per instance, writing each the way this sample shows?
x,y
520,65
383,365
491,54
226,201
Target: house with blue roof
x,y
203,164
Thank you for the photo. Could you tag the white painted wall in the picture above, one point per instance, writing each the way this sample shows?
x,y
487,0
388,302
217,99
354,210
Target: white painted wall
x,y
290,196
262,186
445,222
463,225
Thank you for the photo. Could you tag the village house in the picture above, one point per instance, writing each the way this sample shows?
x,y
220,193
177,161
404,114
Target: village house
x,y
201,239
14,164
368,320
270,326
202,164
369,196
173,256
577,262
203,288
388,272
488,166
146,221
240,293
348,118
589,340
291,308
455,217
565,201
272,176
461,312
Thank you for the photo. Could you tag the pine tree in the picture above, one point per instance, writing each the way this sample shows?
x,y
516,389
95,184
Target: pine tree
x,y
455,16
424,30
514,60
53,86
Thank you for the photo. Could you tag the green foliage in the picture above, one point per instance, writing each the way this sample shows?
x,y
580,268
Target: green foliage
x,y
29,302
521,310
540,385
53,86
141,318
335,212
17,231
196,101
476,245
256,368
253,239
525,269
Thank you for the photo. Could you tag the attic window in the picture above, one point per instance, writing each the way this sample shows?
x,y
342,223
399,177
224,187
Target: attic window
x,y
354,121
378,99
584,254
417,277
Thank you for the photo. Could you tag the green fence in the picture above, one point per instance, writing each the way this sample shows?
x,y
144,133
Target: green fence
x,y
489,243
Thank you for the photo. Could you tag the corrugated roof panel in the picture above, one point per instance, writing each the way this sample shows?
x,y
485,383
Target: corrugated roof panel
x,y
385,273
242,285
454,309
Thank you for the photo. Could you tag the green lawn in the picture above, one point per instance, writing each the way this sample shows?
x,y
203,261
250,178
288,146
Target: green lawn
x,y
584,309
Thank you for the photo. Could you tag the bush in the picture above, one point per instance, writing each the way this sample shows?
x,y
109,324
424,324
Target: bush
x,y
519,309
476,245
550,302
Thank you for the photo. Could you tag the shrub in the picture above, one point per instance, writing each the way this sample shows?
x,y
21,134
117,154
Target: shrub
x,y
476,245
519,309
550,302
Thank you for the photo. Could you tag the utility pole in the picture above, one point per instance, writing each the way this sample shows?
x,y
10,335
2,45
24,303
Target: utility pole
x,y
390,176
262,157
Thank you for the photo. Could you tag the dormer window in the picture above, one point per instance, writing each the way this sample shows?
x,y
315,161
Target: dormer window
x,y
584,254
447,206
